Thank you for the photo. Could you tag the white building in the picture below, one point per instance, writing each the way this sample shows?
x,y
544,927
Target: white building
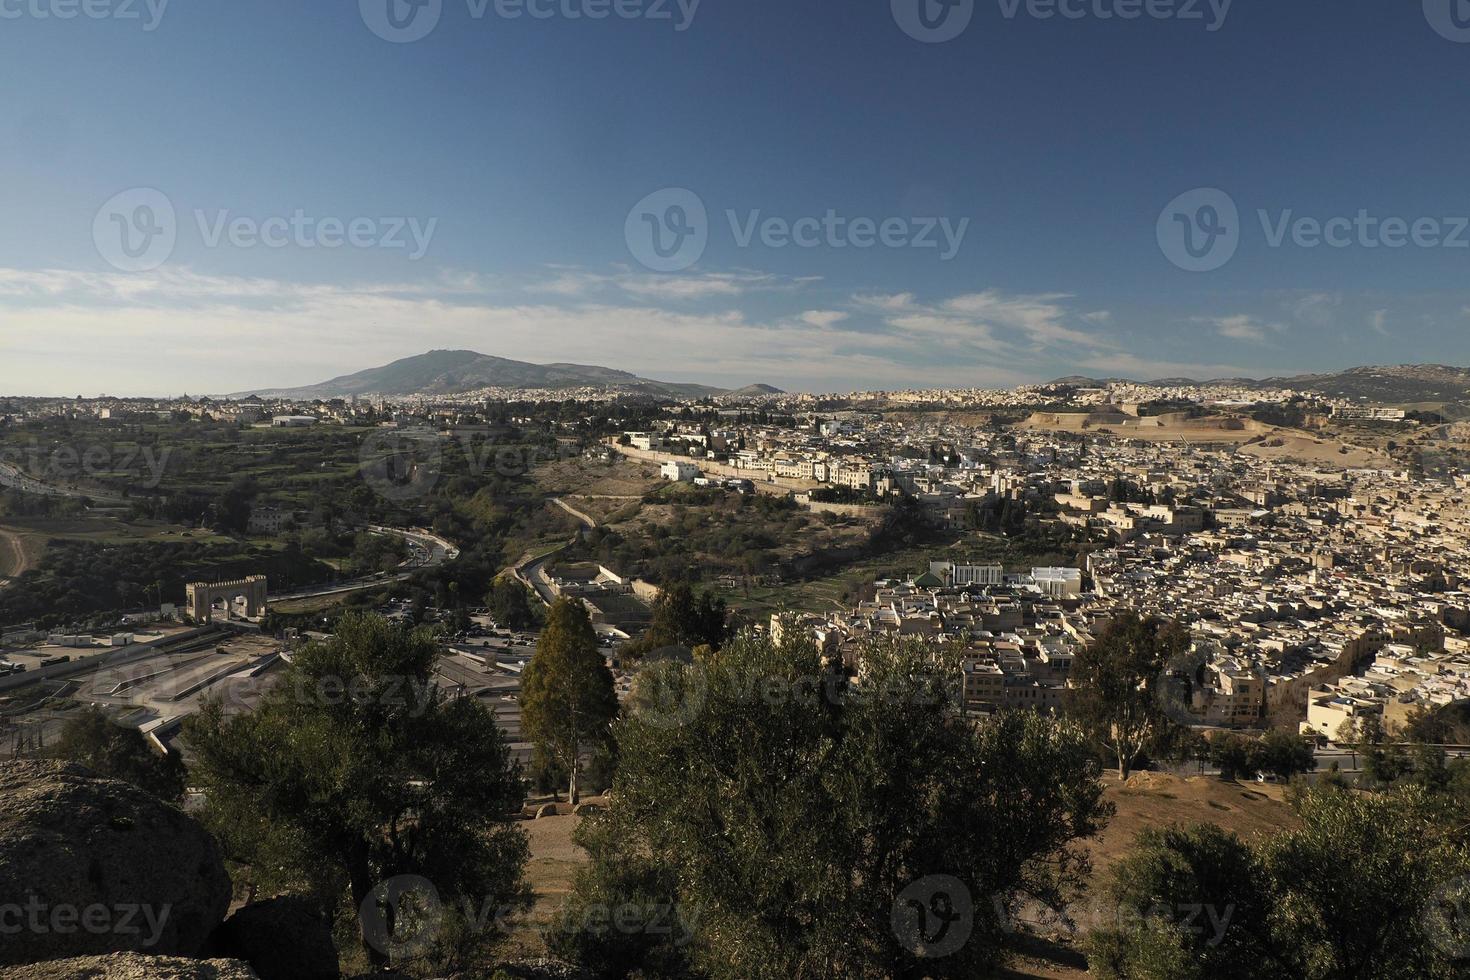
x,y
1059,583
679,471
961,575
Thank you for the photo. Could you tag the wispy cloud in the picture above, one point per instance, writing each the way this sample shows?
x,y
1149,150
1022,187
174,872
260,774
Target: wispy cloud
x,y
823,318
1242,327
691,286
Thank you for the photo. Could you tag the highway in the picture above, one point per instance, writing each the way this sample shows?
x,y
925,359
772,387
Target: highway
x,y
12,477
425,550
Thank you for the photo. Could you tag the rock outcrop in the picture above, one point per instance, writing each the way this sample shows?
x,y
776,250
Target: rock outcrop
x,y
130,966
94,866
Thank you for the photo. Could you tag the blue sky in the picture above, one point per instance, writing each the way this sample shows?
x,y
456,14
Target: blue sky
x,y
487,175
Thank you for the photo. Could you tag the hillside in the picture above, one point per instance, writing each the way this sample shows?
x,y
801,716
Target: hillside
x,y
447,372
1396,384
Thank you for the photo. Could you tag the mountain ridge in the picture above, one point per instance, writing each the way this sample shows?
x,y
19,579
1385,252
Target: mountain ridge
x,y
449,372
1397,383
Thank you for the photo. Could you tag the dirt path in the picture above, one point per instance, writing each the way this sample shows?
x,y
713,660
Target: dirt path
x,y
15,560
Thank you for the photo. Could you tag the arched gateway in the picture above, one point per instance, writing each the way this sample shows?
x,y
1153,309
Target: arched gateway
x,y
202,597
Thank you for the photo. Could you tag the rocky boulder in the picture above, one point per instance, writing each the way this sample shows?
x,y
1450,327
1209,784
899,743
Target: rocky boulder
x,y
284,938
93,866
130,966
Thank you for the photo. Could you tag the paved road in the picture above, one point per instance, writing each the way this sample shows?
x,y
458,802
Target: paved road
x,y
533,570
11,476
424,551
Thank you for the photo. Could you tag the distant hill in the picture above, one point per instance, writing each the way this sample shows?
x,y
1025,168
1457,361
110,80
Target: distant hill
x,y
757,390
1398,384
448,372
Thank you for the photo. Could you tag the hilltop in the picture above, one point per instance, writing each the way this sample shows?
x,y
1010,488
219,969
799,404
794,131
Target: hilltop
x,y
449,372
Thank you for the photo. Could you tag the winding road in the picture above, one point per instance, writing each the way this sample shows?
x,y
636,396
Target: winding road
x,y
531,570
426,550
12,476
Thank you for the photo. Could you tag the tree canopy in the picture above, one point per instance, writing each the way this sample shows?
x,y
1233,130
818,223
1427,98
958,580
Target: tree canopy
x,y
355,772
1369,886
118,752
567,696
1115,692
782,822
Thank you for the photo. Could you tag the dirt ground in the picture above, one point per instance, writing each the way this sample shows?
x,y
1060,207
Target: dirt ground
x,y
1153,429
1303,448
17,554
1146,800
622,477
